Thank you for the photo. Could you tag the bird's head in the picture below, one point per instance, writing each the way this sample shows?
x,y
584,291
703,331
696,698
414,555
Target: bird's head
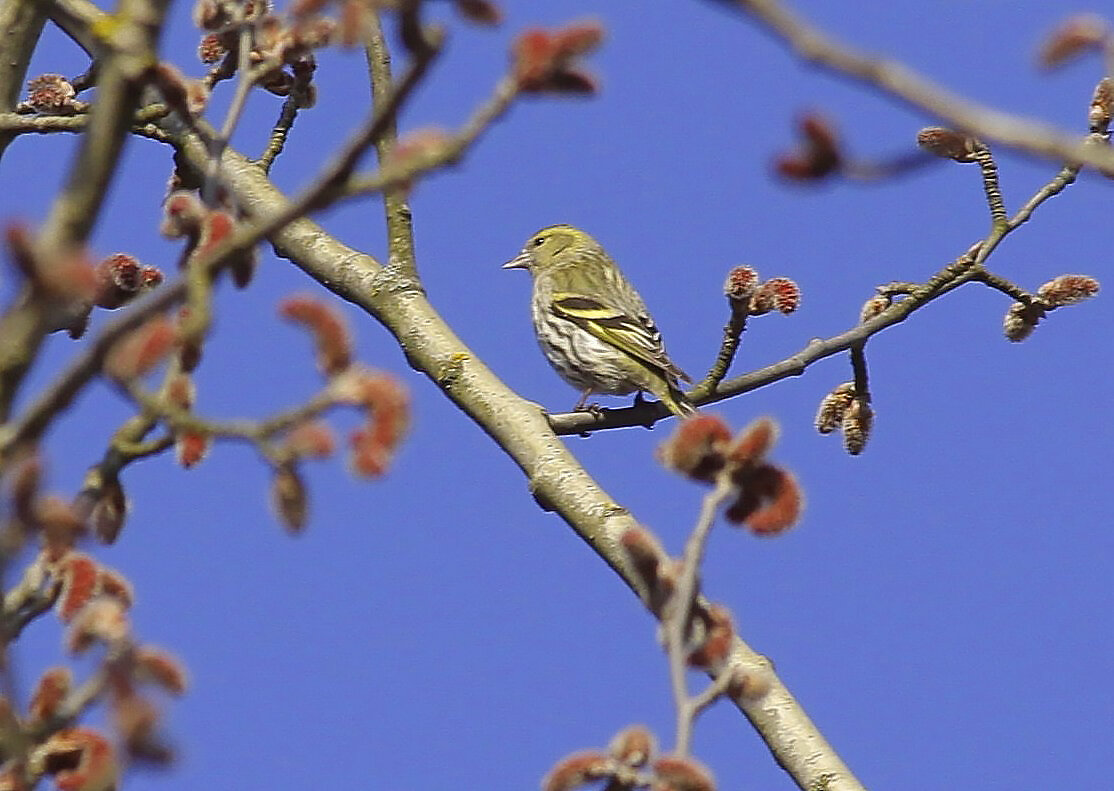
x,y
546,247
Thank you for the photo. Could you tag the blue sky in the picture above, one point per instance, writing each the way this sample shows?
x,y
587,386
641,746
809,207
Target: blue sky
x,y
942,611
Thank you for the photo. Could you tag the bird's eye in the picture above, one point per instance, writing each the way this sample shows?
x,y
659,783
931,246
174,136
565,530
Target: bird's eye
x,y
539,241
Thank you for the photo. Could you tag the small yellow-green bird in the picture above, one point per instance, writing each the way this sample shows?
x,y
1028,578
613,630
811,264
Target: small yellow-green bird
x,y
591,324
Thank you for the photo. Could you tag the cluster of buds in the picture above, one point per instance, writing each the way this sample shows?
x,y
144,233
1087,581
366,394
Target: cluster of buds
x,y
1023,317
546,62
278,43
186,217
818,154
768,499
850,412
754,298
630,761
52,94
64,281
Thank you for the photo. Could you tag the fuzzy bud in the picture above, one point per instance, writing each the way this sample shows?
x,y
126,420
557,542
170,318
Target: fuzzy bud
x,y
51,93
334,352
697,448
80,758
138,352
682,773
770,500
121,278
872,307
312,439
109,512
740,284
1068,290
1021,320
1076,35
716,643
576,770
634,746
156,665
290,499
833,406
856,424
544,61
49,693
104,619
1101,111
948,143
819,154
777,293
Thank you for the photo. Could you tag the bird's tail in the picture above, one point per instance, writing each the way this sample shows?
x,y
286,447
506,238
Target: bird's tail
x,y
676,400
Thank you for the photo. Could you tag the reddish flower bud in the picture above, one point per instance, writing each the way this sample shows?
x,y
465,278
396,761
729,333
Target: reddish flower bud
x,y
576,770
163,669
51,93
753,442
818,156
741,283
183,214
312,439
633,746
719,633
191,447
211,49
138,352
1076,35
697,448
948,143
682,773
770,501
334,352
121,278
104,619
79,758
1068,290
374,446
777,293
112,583
79,575
49,693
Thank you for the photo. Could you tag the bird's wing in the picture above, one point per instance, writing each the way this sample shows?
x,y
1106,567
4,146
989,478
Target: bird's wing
x,y
634,334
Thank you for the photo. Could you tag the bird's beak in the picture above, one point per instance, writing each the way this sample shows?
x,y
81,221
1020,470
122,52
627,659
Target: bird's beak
x,y
520,261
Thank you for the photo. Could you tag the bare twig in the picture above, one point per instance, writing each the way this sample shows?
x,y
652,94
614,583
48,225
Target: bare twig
x,y
900,82
677,619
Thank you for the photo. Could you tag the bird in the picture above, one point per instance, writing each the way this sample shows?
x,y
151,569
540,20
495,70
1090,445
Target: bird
x,y
591,325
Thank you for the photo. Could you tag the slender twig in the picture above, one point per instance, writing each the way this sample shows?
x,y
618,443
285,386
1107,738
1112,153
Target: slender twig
x,y
449,152
729,346
900,82
678,612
